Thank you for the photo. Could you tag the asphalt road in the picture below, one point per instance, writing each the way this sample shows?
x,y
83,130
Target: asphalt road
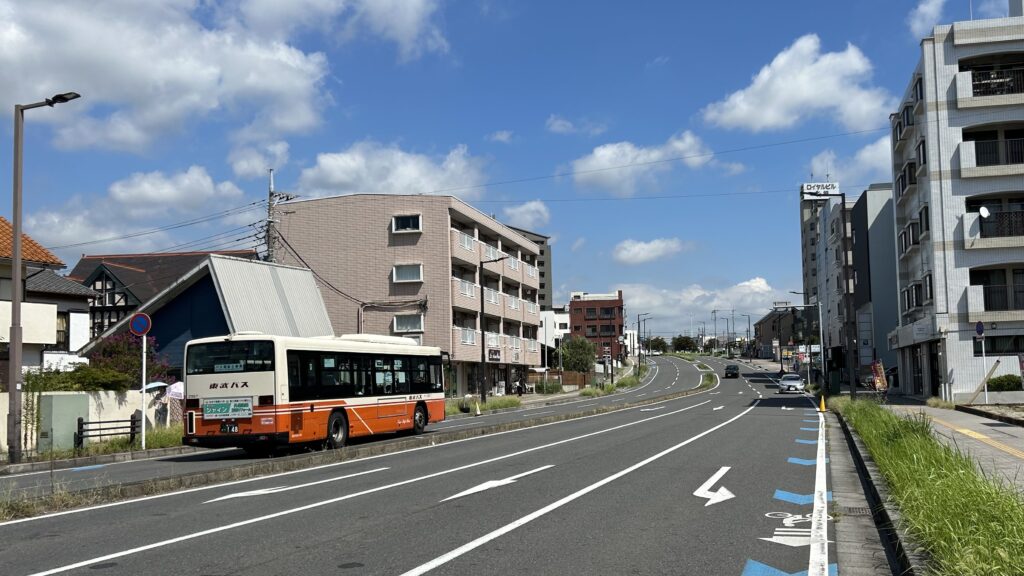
x,y
606,494
669,375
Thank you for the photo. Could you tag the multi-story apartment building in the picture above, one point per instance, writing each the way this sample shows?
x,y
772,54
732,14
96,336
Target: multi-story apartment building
x,y
599,318
431,268
810,213
835,289
874,277
958,168
546,291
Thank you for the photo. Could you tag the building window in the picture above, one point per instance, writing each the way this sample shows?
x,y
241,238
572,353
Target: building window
x,y
918,90
928,295
409,323
922,153
923,217
406,223
407,273
1000,345
63,342
591,313
563,325
577,328
591,331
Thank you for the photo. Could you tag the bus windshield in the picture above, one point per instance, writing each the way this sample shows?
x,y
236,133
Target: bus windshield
x,y
229,357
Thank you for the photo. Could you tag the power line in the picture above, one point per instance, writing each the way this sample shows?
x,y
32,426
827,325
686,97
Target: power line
x,y
183,224
204,239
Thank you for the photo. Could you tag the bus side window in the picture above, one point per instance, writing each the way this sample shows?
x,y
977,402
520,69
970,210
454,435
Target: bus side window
x,y
419,374
401,376
436,375
294,377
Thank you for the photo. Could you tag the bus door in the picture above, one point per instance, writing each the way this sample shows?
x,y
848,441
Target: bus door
x,y
391,385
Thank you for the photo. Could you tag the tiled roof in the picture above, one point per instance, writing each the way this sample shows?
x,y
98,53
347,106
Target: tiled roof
x,y
146,275
49,282
31,251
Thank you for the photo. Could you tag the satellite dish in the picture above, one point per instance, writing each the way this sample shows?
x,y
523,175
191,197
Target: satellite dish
x,y
984,212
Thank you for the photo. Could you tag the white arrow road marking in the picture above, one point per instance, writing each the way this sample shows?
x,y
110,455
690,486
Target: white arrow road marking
x,y
719,408
265,491
717,496
496,483
651,409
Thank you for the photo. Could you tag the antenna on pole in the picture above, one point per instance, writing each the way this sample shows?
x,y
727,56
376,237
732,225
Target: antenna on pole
x,y
273,199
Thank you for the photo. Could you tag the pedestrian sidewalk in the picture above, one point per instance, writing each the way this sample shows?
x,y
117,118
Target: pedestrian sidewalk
x,y
997,447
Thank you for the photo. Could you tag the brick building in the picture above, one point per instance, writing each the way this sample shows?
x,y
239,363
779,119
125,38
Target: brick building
x,y
599,318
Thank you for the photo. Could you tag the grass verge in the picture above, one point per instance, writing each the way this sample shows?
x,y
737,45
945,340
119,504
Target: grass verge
x,y
702,366
494,403
167,437
936,402
969,523
707,380
627,382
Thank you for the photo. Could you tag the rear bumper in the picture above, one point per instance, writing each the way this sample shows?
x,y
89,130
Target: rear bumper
x,y
236,440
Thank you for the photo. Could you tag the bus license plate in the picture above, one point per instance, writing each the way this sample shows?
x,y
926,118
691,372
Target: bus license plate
x,y
229,428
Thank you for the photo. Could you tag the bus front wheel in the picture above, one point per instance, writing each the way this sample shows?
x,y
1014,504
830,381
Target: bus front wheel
x,y
419,420
337,430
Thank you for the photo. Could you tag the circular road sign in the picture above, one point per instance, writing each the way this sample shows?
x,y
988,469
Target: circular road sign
x,y
139,324
979,328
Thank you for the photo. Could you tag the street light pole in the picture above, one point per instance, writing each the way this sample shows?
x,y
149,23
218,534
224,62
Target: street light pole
x,y
483,328
15,377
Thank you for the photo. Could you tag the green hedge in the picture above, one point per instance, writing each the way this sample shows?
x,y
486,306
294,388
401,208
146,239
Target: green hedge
x,y
1005,383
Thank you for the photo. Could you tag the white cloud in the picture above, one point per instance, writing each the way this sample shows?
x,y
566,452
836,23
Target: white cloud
x,y
872,163
621,167
577,244
149,70
405,22
370,167
923,18
634,252
253,161
657,62
559,125
801,82
530,215
993,9
153,193
503,136
672,308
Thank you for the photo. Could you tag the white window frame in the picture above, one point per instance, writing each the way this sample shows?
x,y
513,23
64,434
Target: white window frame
x,y
394,219
394,273
397,330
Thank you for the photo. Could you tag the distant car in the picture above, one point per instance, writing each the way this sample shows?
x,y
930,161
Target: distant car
x,y
791,383
732,371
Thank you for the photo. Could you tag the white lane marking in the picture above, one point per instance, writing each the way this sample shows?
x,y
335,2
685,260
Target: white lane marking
x,y
712,393
639,395
719,408
651,409
534,414
652,374
445,558
720,495
496,483
265,491
817,562
585,405
322,503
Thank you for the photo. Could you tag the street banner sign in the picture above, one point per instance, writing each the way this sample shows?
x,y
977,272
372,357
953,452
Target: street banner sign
x,y
879,372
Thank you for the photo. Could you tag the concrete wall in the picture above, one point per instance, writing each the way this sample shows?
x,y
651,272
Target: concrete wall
x,y
102,406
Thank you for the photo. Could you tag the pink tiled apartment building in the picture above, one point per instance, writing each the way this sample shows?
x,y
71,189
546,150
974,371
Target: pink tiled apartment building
x,y
413,265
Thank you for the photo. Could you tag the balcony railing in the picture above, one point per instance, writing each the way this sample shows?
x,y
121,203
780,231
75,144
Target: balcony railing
x,y
531,307
513,302
997,82
515,343
467,241
492,296
531,346
466,335
531,271
513,262
466,288
490,252
1002,224
999,152
999,298
493,340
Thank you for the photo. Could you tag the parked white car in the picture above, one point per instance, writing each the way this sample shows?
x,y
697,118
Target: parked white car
x,y
791,383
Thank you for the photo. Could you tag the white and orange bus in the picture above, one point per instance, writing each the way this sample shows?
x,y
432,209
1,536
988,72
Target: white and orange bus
x,y
257,391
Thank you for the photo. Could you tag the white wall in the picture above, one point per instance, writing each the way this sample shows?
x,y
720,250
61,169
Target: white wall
x,y
102,406
78,331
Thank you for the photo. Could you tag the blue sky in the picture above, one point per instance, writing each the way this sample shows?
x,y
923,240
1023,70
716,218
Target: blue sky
x,y
565,117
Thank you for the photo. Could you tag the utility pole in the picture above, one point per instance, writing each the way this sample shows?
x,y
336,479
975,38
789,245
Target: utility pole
x,y
273,199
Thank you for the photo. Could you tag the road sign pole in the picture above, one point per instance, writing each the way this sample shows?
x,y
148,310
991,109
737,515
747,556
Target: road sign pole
x,y
143,390
980,329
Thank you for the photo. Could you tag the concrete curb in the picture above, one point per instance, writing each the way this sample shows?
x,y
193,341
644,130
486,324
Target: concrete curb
x,y
93,496
908,554
98,459
989,415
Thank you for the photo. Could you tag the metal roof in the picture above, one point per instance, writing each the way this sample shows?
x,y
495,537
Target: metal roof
x,y
254,296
